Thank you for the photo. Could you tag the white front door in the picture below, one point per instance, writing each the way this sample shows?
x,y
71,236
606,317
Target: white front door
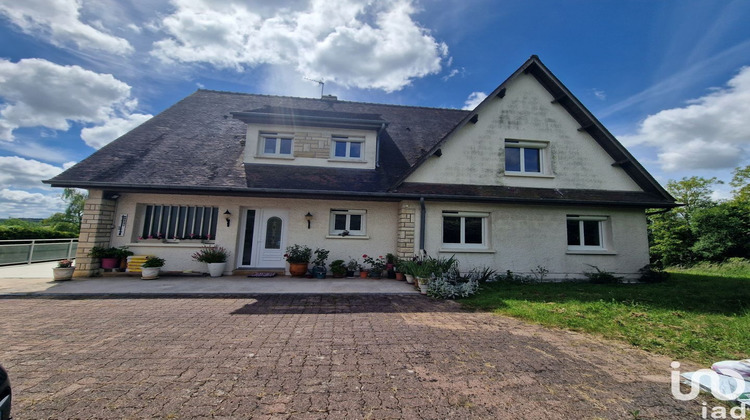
x,y
272,239
263,240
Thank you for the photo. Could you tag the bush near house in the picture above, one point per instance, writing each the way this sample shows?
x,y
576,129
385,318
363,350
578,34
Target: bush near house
x,y
35,232
693,315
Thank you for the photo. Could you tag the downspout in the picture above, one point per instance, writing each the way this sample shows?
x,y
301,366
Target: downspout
x,y
422,223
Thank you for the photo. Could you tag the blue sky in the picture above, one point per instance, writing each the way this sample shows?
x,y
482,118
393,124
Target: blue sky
x,y
670,78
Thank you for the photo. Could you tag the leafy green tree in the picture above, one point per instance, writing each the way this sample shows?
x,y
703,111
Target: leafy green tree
x,y
741,184
693,192
76,200
722,231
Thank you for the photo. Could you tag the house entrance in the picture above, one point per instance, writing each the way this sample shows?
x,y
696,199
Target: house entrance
x,y
263,239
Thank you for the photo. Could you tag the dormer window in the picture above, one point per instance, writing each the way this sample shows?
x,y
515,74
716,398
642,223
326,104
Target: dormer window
x,y
276,144
345,147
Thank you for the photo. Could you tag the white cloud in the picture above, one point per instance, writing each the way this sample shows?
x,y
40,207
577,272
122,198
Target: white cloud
x,y
17,203
712,132
353,43
474,99
599,94
59,22
25,173
99,136
38,92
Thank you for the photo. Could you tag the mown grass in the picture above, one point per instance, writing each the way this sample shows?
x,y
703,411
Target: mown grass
x,y
698,317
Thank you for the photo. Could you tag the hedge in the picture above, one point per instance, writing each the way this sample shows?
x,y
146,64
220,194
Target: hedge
x,y
20,232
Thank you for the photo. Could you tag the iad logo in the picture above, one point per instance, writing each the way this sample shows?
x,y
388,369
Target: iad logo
x,y
726,387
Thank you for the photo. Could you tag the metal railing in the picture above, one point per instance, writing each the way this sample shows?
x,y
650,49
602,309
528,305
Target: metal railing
x,y
27,251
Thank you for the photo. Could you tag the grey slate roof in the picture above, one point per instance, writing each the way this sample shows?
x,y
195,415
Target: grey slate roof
x,y
196,147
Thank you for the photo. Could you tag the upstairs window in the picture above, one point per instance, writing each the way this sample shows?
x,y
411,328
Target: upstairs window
x,y
348,222
344,147
276,144
464,230
526,157
586,232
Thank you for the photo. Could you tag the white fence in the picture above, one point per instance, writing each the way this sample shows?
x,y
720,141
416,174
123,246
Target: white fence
x,y
27,251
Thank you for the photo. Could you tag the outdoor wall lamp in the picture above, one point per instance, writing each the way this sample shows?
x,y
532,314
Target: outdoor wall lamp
x,y
308,217
228,216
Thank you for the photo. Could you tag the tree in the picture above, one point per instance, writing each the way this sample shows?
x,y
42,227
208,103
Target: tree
x,y
694,193
741,184
76,200
722,231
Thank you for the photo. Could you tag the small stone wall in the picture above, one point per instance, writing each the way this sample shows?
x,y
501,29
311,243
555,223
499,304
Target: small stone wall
x,y
406,220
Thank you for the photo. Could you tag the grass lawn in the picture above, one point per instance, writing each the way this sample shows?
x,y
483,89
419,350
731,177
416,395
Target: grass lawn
x,y
694,316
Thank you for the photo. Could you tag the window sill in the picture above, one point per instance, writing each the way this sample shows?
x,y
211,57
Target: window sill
x,y
346,237
529,175
590,252
190,244
274,157
466,251
347,160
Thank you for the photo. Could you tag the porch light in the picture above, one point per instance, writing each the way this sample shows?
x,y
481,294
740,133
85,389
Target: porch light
x,y
308,217
227,216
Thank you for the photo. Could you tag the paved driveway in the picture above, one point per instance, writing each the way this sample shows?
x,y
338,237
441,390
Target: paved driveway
x,y
287,356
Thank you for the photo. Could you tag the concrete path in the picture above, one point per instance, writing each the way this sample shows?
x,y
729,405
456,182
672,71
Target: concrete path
x,y
36,280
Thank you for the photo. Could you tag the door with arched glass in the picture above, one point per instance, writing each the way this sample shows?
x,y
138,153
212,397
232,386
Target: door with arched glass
x,y
272,239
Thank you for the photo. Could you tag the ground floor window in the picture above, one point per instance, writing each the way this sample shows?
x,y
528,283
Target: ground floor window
x,y
348,222
586,232
180,222
464,229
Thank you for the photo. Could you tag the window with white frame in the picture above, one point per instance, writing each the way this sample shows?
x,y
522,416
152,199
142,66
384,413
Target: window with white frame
x,y
348,222
586,232
465,230
276,144
178,222
345,147
525,157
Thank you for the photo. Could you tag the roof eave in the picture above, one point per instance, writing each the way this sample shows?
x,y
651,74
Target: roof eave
x,y
348,195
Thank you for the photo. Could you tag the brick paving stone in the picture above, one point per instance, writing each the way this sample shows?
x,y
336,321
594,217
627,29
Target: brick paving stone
x,y
314,357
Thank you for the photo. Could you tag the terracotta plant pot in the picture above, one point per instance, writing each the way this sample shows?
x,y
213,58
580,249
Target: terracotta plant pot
x,y
297,269
363,274
400,276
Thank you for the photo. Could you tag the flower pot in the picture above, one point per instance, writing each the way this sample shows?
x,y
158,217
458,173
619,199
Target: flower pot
x,y
110,263
319,272
391,274
409,278
150,273
216,269
61,274
400,276
375,274
363,274
297,269
349,274
423,288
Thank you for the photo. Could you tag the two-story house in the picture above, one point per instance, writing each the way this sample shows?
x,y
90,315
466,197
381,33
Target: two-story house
x,y
528,178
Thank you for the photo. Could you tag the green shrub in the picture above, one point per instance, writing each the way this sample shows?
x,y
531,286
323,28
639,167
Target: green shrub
x,y
652,274
601,277
153,262
35,232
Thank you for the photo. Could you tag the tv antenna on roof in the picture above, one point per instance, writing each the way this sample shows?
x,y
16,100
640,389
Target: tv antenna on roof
x,y
320,82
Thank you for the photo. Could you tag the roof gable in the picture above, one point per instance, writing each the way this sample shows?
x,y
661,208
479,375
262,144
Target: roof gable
x,y
563,97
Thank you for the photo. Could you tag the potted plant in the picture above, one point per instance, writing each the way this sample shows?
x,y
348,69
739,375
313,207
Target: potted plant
x,y
298,257
377,265
215,258
319,264
400,269
63,271
422,271
390,265
150,268
122,254
109,256
351,267
338,269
